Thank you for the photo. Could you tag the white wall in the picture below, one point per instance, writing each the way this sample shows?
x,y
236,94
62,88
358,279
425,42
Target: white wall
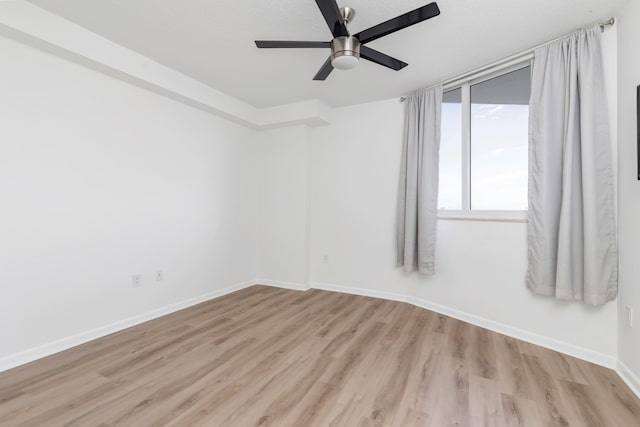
x,y
480,266
629,186
282,171
99,180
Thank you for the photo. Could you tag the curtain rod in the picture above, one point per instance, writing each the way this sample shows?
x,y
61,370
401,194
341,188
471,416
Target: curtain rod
x,y
506,61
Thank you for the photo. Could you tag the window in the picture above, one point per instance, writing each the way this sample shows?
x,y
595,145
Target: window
x,y
450,188
484,146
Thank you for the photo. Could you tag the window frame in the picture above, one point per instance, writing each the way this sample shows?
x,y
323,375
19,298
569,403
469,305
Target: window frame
x,y
466,213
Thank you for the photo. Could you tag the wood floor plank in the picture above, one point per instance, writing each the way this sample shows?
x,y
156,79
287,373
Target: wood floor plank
x,y
451,407
422,389
337,377
519,412
584,403
358,397
396,376
482,360
511,372
82,358
547,393
274,357
612,392
485,401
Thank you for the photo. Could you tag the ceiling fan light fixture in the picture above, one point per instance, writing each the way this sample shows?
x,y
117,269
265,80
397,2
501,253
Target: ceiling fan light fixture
x,y
345,53
345,61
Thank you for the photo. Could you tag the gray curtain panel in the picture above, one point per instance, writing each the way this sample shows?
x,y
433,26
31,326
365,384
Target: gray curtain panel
x,y
572,248
418,193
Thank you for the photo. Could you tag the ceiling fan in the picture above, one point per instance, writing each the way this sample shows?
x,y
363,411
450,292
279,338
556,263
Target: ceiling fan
x,y
347,49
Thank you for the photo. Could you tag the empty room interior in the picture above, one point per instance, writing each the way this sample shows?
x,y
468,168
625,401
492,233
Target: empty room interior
x,y
332,213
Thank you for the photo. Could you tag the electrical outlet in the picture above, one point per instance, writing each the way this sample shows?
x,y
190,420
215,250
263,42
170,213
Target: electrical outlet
x,y
159,276
136,280
629,313
325,259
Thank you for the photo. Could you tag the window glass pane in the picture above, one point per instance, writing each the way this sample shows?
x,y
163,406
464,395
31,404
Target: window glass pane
x,y
450,188
499,141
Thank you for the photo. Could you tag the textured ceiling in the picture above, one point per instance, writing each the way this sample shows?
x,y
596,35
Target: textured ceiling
x,y
212,41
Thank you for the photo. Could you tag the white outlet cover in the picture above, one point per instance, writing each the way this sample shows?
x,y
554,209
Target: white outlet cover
x,y
136,280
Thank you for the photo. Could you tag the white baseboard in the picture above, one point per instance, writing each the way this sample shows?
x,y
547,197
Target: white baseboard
x,y
521,334
281,284
57,346
579,352
359,291
30,355
629,377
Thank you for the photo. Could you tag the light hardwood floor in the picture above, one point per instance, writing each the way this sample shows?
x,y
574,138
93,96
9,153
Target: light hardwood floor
x,y
272,357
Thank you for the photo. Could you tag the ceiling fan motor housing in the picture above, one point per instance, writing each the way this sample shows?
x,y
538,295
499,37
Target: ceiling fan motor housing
x,y
345,47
